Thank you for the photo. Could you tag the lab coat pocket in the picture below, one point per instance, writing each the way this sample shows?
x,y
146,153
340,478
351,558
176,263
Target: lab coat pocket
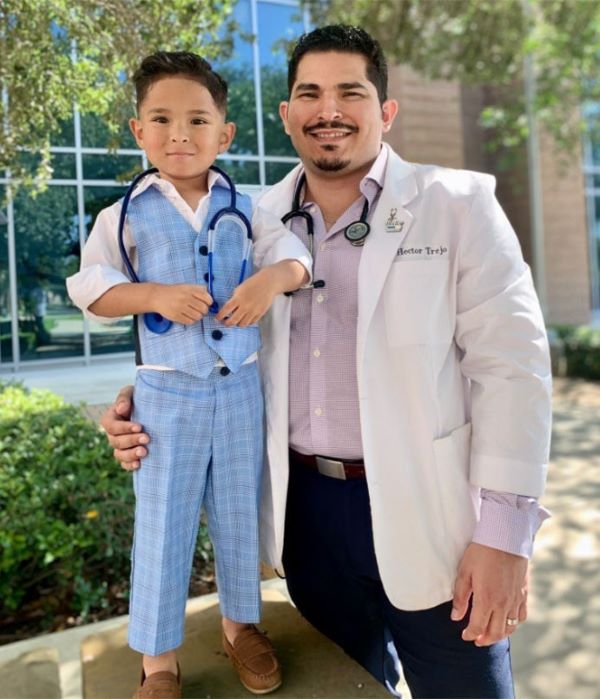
x,y
459,499
417,302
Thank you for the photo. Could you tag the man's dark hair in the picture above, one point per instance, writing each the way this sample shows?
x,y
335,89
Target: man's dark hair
x,y
172,63
345,39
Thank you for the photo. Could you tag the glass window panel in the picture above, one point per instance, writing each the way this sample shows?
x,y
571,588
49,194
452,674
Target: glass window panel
x,y
111,167
65,135
95,134
241,172
46,237
63,164
237,70
277,26
596,225
118,336
6,354
277,171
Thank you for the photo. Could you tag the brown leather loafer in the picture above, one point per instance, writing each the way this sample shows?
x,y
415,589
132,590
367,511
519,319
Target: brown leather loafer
x,y
159,685
254,658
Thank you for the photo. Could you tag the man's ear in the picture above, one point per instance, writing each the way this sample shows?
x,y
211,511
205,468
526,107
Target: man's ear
x,y
283,113
226,137
135,126
389,110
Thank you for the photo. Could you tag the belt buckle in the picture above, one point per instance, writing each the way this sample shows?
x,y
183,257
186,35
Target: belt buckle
x,y
330,467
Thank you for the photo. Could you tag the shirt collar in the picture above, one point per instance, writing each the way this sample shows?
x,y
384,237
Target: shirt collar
x,y
169,190
372,183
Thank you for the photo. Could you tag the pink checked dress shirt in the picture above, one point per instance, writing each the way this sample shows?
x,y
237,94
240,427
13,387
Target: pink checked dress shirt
x,y
324,405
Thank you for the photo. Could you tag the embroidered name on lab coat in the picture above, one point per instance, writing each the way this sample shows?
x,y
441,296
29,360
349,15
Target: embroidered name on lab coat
x,y
424,253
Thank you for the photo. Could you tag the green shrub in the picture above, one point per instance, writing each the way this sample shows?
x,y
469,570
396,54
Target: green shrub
x,y
581,350
66,508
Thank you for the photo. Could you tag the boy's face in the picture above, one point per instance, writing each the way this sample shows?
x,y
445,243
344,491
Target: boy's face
x,y
334,116
181,129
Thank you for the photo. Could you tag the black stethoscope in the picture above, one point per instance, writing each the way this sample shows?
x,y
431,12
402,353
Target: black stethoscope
x,y
355,232
155,322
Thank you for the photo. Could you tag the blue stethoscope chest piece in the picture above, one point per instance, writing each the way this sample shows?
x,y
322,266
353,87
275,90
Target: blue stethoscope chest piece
x,y
155,322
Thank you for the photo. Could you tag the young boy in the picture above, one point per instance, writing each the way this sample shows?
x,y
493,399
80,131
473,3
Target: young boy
x,y
197,390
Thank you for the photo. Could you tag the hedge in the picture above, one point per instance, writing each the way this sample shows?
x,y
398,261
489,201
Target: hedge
x,y
66,508
579,349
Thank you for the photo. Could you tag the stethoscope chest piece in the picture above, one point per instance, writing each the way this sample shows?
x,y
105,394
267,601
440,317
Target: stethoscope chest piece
x,y
156,323
357,232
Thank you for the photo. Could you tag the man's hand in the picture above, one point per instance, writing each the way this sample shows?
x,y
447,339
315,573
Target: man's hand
x,y
182,303
125,437
497,582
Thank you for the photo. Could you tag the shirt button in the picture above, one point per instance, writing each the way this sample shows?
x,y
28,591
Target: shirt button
x,y
224,371
323,246
203,250
317,352
320,298
318,412
217,334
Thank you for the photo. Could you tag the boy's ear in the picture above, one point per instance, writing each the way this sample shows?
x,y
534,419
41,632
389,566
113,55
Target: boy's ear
x,y
283,113
135,126
227,134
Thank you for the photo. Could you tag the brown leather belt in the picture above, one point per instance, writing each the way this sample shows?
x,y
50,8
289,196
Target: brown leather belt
x,y
334,468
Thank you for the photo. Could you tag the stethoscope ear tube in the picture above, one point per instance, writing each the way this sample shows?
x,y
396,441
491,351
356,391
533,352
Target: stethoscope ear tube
x,y
155,322
356,232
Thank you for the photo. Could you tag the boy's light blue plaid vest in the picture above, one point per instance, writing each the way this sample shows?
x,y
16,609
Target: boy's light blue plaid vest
x,y
171,252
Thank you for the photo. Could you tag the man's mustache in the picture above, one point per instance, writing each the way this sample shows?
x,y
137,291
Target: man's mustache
x,y
331,125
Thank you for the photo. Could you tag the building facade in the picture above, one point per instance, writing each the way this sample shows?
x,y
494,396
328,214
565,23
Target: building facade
x,y
41,237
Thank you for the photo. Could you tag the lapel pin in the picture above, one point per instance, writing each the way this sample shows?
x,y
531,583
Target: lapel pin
x,y
393,224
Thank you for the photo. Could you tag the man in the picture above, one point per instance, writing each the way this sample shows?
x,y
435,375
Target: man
x,y
411,386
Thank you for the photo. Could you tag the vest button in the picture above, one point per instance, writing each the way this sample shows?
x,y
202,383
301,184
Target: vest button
x,y
203,250
217,334
224,371
206,277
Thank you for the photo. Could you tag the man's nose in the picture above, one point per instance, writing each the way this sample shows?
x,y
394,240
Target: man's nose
x,y
329,109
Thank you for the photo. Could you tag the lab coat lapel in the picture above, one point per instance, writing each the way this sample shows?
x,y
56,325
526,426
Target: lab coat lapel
x,y
390,224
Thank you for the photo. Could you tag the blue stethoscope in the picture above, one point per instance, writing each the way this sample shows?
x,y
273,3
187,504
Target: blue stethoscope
x,y
155,322
355,232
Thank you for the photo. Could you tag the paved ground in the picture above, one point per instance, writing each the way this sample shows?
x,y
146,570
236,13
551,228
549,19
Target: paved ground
x,y
556,654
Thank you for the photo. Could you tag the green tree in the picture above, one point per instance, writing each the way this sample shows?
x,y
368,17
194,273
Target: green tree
x,y
485,42
57,53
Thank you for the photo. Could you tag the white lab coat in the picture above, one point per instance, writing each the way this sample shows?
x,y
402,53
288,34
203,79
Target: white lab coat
x,y
453,375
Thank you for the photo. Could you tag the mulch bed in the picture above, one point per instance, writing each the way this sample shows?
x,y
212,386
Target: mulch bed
x,y
47,614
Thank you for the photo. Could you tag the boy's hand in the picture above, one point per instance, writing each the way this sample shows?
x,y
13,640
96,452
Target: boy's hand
x,y
251,299
182,303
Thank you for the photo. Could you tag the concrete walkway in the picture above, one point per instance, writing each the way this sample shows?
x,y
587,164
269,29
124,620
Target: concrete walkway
x,y
555,654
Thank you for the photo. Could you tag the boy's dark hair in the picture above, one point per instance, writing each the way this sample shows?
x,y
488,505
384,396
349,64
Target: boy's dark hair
x,y
170,63
346,39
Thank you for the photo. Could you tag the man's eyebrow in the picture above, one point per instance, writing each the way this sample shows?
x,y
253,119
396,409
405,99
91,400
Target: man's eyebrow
x,y
306,86
351,86
340,86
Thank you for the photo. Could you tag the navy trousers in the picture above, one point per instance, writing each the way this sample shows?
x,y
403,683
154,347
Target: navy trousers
x,y
333,579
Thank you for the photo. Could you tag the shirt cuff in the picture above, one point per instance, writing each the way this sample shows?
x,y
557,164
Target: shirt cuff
x,y
509,522
89,284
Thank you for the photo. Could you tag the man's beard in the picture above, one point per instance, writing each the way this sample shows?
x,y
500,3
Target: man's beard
x,y
328,165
